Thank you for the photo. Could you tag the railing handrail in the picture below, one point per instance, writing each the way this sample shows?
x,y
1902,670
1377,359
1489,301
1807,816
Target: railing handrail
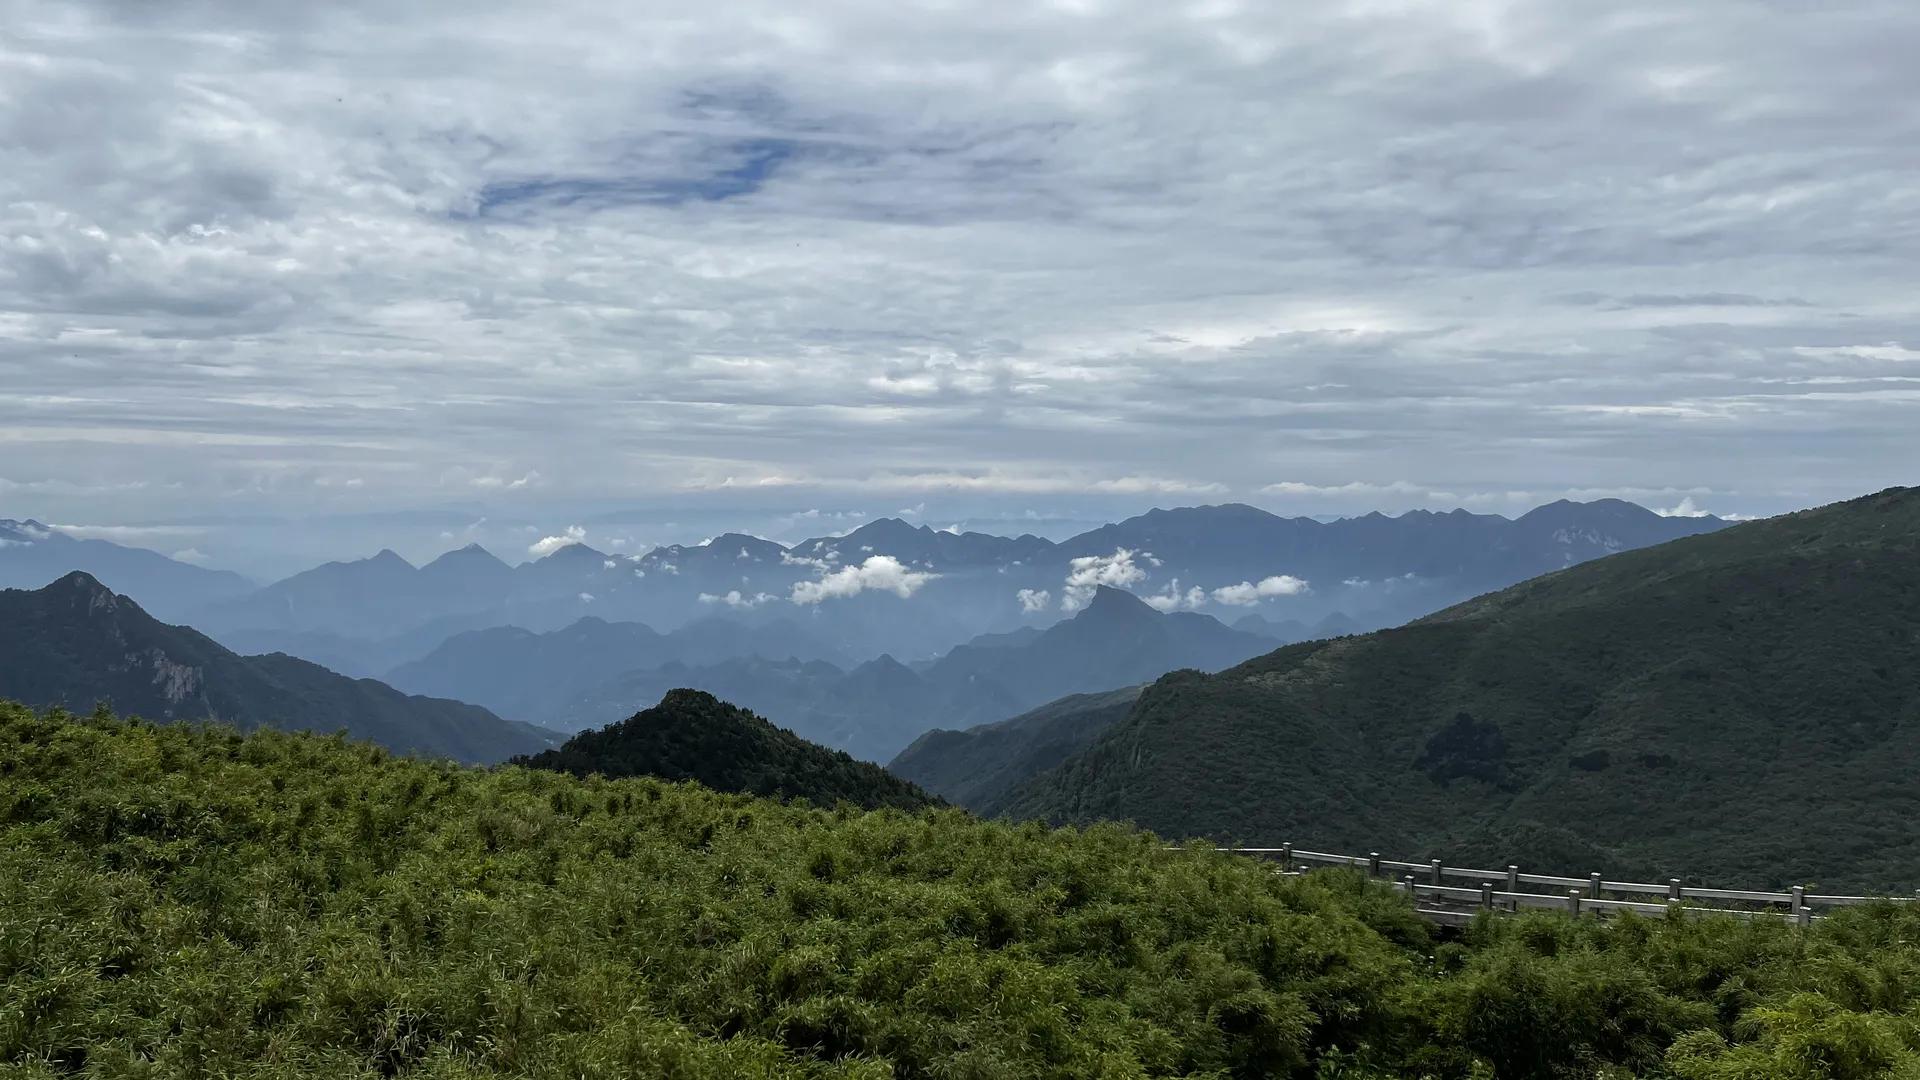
x,y
1591,888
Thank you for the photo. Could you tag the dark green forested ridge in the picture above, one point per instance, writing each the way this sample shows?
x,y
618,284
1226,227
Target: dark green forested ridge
x,y
76,643
185,901
1737,707
979,767
692,735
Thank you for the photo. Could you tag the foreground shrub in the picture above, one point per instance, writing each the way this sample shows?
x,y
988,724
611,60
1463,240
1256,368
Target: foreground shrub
x,y
183,902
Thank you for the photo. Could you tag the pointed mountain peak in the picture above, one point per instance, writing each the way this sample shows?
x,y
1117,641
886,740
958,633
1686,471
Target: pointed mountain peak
x,y
80,587
389,557
888,526
82,581
471,555
1111,603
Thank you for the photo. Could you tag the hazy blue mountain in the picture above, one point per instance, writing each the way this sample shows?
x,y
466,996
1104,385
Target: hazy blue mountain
x,y
979,767
522,674
32,554
373,615
920,546
877,708
1285,631
1375,569
1116,641
538,676
76,643
353,598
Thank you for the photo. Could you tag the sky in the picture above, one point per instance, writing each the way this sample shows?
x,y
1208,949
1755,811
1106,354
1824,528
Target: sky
x,y
285,280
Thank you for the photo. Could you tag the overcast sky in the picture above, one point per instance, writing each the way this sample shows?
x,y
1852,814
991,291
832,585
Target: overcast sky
x,y
996,262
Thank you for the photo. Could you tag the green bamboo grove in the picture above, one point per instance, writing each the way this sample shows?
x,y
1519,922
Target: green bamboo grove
x,y
191,902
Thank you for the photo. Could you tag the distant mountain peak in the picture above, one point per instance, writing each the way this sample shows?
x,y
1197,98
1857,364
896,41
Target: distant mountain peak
x,y
880,528
471,555
1110,603
81,581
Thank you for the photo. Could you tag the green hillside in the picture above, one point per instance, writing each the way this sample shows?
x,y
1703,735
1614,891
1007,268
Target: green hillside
x,y
182,901
977,768
76,643
1741,706
692,735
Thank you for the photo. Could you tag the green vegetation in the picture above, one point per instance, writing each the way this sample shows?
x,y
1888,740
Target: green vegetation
x,y
179,901
692,735
1741,707
979,767
76,643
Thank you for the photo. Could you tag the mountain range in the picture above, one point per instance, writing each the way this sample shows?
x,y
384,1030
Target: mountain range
x,y
32,554
1740,705
76,643
930,590
592,671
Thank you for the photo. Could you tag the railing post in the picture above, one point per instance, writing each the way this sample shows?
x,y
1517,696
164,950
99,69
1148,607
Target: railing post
x,y
1674,908
1486,896
1801,913
1513,886
1673,888
1573,902
1593,886
1407,883
1436,871
1286,857
1373,864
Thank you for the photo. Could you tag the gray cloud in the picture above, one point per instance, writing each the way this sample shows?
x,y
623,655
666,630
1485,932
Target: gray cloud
x,y
527,262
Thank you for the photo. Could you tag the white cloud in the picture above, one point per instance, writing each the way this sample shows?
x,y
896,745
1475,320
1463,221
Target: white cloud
x,y
1089,572
1685,508
821,238
128,534
502,483
1172,599
1017,483
1032,600
882,573
734,483
1355,487
586,598
547,545
1247,593
191,555
734,598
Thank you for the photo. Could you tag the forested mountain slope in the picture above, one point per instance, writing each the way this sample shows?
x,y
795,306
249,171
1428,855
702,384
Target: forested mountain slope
x,y
691,735
76,643
978,767
1744,704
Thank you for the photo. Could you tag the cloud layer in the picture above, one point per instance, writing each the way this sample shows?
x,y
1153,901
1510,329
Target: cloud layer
x,y
345,255
882,573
